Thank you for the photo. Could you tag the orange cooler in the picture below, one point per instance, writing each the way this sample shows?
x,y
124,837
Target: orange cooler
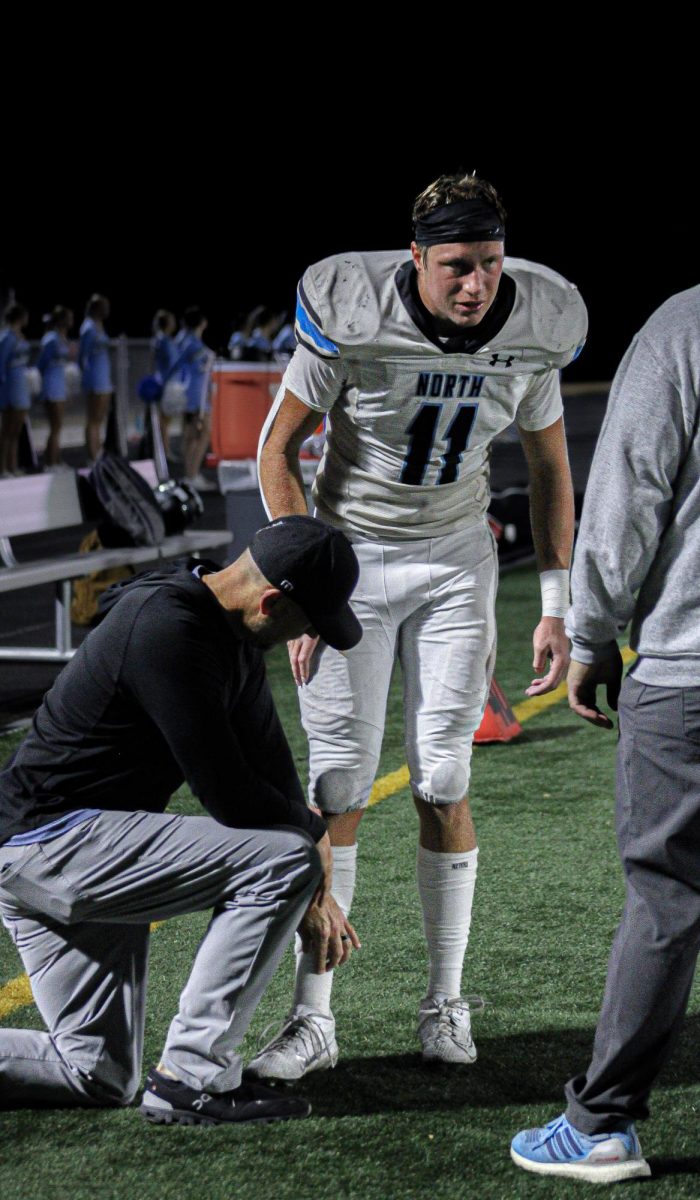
x,y
242,396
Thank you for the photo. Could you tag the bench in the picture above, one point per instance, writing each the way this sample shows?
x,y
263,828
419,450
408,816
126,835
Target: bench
x,y
41,503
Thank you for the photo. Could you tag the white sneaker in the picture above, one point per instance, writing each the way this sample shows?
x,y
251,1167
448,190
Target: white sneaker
x,y
444,1029
306,1042
200,484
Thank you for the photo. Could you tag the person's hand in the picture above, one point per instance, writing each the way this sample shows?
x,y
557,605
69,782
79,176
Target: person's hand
x,y
583,680
301,652
326,933
549,642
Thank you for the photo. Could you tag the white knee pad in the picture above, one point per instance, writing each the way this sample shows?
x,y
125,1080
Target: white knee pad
x,y
338,791
444,783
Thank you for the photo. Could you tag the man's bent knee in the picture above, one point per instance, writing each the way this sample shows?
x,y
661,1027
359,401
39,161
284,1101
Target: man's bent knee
x,y
297,857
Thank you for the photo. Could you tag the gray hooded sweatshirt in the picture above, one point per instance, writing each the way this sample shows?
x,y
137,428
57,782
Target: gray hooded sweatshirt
x,y
638,551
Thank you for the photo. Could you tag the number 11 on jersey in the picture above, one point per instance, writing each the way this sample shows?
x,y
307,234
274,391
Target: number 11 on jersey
x,y
421,438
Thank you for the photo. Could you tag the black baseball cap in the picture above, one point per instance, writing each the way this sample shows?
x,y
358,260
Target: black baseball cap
x,y
315,565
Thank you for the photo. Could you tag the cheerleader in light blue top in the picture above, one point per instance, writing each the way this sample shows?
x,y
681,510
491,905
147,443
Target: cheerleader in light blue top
x,y
164,348
95,368
53,356
14,390
193,364
165,352
253,341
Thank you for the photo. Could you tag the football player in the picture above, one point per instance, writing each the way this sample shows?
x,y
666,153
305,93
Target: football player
x,y
420,358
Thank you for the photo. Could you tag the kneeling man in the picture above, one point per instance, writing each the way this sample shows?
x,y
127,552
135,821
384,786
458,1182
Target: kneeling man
x,y
169,688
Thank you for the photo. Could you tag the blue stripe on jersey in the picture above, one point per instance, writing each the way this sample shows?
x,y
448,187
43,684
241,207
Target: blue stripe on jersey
x,y
301,341
301,291
307,326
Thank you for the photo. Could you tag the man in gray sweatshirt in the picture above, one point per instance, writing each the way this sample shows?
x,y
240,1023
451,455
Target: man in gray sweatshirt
x,y
638,559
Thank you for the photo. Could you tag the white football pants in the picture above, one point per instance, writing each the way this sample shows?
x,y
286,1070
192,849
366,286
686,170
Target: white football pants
x,y
431,604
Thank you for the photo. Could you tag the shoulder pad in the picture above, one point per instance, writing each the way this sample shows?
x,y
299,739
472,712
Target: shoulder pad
x,y
340,300
557,313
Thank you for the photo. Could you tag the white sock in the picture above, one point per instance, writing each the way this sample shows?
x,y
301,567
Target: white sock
x,y
312,991
446,889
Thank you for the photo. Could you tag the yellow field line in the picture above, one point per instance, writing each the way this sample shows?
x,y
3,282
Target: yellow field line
x,y
17,993
388,785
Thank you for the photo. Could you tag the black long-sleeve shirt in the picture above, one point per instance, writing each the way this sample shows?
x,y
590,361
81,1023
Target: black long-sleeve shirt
x,y
164,690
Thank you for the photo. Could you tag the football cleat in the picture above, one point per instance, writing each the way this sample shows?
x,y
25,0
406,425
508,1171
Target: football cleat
x,y
306,1042
560,1149
444,1029
168,1101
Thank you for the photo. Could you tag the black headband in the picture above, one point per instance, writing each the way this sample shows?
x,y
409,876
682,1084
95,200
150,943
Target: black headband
x,y
472,220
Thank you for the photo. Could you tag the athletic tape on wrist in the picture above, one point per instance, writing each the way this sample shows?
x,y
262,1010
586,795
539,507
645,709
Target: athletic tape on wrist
x,y
555,593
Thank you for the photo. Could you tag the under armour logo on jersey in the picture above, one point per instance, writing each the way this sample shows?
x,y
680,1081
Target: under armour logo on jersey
x,y
496,358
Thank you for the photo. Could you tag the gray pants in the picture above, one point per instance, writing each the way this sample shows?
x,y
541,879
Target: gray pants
x,y
656,946
78,909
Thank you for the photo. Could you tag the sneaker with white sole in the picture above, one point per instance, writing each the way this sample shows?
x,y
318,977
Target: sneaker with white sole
x,y
201,484
168,1101
560,1149
445,1031
306,1042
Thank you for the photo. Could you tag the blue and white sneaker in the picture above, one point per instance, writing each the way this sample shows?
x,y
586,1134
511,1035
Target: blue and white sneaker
x,y
559,1149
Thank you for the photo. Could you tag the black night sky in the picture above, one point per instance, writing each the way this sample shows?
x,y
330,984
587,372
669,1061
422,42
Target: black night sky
x,y
234,226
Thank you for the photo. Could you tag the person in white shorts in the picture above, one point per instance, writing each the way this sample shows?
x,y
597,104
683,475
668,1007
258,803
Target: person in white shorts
x,y
418,359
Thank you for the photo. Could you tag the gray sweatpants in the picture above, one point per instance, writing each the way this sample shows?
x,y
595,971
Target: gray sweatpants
x,y
78,908
656,946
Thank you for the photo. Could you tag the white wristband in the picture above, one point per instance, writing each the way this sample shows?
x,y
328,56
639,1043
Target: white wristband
x,y
555,593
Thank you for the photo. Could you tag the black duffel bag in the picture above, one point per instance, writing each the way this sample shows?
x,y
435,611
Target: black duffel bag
x,y
129,512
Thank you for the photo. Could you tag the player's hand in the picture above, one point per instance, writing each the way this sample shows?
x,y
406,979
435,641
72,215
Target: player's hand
x,y
583,680
326,933
301,651
550,643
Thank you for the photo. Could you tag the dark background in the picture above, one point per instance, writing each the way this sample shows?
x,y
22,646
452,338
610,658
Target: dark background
x,y
175,216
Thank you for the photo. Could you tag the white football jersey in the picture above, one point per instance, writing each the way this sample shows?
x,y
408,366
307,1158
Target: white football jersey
x,y
411,416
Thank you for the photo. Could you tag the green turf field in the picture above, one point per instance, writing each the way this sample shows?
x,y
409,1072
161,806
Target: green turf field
x,y
383,1127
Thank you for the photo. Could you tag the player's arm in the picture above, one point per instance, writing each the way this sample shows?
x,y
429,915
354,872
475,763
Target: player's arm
x,y
312,382
282,489
311,386
281,483
552,520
